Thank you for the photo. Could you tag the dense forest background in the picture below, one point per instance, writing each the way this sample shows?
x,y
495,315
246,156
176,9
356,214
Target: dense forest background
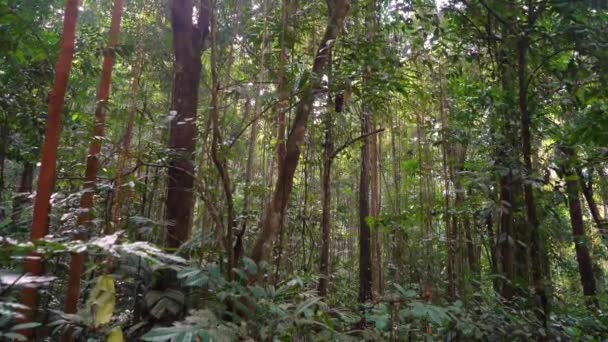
x,y
303,170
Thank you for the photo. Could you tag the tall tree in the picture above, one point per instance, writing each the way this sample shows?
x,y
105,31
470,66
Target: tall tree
x,y
284,184
33,264
188,43
92,164
583,256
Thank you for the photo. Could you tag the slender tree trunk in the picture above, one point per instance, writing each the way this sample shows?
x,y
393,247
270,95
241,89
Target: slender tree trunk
x,y
188,42
25,189
328,148
533,225
375,213
33,264
219,159
601,224
92,164
125,145
3,151
365,253
585,263
238,246
493,249
275,211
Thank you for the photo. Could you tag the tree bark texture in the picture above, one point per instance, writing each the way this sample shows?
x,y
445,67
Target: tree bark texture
x,y
273,215
33,263
583,257
188,43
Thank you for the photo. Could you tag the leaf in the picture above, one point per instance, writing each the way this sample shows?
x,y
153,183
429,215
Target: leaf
x,y
25,326
115,335
102,300
11,336
305,305
250,266
160,334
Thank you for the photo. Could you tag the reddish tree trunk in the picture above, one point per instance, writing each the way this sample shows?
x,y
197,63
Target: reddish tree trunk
x,y
585,264
33,264
92,164
188,40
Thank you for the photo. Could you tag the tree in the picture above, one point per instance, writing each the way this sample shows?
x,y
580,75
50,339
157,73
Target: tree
x,y
188,44
33,264
275,211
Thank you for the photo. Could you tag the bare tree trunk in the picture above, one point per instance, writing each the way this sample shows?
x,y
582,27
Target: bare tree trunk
x,y
365,253
601,224
238,246
125,145
375,213
541,299
92,163
3,151
220,160
25,189
188,42
585,264
275,211
33,264
328,147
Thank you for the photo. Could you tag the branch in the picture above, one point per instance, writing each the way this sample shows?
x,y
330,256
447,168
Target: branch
x,y
352,141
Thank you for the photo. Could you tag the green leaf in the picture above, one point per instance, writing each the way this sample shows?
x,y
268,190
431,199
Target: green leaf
x,y
305,305
160,334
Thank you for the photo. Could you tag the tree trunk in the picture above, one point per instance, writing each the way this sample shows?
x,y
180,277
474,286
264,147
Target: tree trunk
x,y
328,148
219,159
375,212
125,145
365,253
238,246
33,264
585,264
188,42
533,225
284,184
3,151
25,189
601,224
92,163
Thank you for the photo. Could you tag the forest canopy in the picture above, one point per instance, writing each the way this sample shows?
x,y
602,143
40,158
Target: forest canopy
x,y
303,170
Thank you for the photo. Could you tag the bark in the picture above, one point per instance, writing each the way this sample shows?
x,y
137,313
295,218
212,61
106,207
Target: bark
x,y
601,224
283,86
3,151
493,249
33,264
583,257
238,246
92,163
25,189
375,212
219,159
188,43
365,253
284,184
533,225
326,191
125,145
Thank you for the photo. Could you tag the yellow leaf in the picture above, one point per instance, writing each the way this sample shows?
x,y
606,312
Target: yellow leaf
x,y
102,300
115,335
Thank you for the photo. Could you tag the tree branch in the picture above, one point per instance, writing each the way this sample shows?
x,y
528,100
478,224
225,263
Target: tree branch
x,y
352,141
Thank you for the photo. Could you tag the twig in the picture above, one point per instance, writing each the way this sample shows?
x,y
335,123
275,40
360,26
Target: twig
x,y
352,141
